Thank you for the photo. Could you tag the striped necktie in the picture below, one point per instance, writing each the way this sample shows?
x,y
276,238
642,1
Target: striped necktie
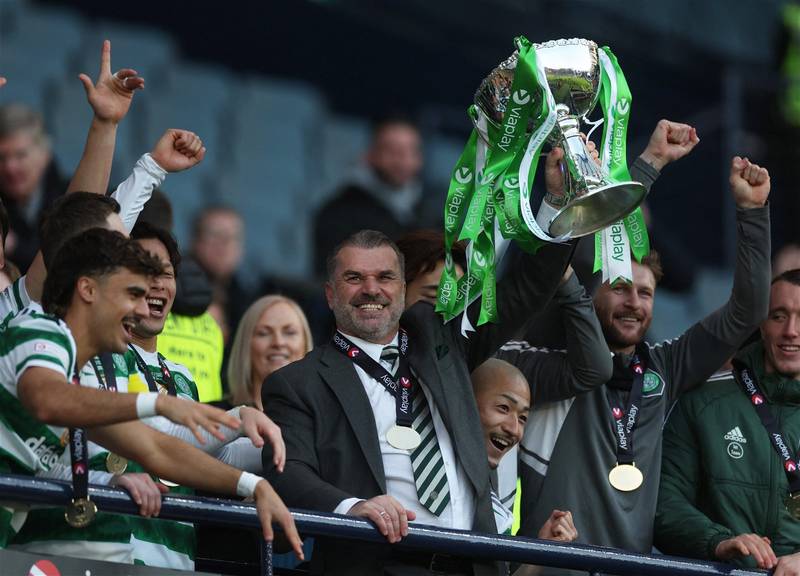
x,y
390,355
430,476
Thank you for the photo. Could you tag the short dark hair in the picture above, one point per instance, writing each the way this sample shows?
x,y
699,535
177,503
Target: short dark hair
x,y
70,215
158,211
363,239
653,261
146,231
424,249
96,252
790,276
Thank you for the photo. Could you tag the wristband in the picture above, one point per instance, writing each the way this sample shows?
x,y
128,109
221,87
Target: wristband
x,y
146,405
246,486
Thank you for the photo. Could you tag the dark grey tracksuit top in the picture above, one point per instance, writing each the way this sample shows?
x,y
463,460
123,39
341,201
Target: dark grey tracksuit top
x,y
569,444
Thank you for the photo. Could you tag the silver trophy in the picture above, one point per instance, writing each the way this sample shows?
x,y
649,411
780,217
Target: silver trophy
x,y
591,203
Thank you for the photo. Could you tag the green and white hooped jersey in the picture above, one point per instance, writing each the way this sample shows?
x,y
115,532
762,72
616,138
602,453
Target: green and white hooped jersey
x,y
14,298
117,537
27,340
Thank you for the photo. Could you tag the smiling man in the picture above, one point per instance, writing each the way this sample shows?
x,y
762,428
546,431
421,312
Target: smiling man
x,y
729,482
504,399
137,367
381,422
614,431
94,294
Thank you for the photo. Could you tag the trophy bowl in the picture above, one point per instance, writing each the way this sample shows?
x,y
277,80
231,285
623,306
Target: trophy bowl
x,y
573,74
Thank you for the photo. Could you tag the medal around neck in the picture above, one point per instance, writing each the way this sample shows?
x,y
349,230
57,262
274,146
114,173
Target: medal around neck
x,y
625,477
403,437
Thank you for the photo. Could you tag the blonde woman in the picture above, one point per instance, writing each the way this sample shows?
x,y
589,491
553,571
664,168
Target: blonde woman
x,y
272,333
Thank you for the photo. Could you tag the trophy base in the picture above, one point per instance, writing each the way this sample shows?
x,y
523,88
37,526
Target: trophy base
x,y
598,209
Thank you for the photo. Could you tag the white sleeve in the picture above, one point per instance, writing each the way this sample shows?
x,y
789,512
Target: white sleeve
x,y
212,444
135,191
61,471
243,455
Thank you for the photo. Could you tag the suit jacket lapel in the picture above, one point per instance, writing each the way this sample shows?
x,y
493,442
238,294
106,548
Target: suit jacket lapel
x,y
445,386
340,375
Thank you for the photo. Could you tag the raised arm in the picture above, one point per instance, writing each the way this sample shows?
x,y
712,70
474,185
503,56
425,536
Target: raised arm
x,y
176,150
110,99
586,363
720,334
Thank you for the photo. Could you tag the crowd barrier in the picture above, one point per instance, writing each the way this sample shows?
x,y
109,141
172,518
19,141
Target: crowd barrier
x,y
594,560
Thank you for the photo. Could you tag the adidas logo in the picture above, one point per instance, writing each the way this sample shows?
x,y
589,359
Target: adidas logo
x,y
735,435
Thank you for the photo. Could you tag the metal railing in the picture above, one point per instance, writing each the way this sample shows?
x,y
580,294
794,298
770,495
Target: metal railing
x,y
592,559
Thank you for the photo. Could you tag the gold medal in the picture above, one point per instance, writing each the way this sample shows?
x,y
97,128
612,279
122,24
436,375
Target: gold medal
x,y
403,437
116,464
80,512
625,477
793,505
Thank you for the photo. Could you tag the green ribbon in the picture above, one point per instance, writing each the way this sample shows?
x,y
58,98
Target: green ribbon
x,y
459,194
615,100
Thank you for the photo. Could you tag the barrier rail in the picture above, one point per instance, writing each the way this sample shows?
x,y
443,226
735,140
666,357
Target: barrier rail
x,y
592,559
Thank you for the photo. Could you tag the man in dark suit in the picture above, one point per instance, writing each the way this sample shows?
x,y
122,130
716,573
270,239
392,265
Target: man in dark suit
x,y
337,418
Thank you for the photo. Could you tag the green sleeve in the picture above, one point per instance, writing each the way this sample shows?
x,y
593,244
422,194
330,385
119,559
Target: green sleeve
x,y
680,527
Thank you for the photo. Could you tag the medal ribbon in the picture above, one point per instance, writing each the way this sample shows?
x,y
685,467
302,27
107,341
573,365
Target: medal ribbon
x,y
79,458
625,419
400,388
749,383
152,385
103,366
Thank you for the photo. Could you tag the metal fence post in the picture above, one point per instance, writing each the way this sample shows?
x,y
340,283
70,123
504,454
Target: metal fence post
x,y
266,558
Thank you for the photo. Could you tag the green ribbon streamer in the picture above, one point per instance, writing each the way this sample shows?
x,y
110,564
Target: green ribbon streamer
x,y
459,195
615,132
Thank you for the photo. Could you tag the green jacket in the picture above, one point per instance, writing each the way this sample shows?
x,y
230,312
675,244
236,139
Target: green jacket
x,y
720,475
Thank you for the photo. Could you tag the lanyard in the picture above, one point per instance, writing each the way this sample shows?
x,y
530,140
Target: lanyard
x,y
626,418
81,510
400,388
169,381
749,383
104,366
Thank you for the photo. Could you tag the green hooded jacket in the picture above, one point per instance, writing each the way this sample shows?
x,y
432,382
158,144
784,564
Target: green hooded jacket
x,y
720,475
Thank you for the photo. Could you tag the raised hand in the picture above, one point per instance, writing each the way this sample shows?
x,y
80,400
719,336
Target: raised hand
x,y
195,416
559,527
111,97
258,426
759,547
178,150
2,81
271,509
749,183
389,516
144,490
670,141
554,172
